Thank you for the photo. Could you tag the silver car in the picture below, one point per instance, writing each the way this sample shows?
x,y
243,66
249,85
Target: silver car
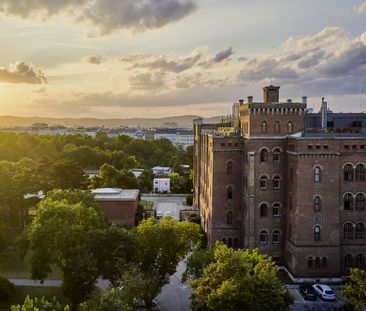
x,y
324,292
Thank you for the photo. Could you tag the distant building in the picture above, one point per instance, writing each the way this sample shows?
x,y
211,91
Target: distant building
x,y
161,185
137,172
119,206
162,171
91,173
176,136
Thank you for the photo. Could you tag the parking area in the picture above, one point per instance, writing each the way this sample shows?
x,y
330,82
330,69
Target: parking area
x,y
307,305
167,205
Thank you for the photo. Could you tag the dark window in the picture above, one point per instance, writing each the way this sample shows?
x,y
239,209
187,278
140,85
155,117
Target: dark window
x,y
264,182
359,232
325,147
360,261
354,147
360,172
264,155
223,240
276,182
317,234
276,210
230,242
324,262
264,127
317,204
277,127
346,147
229,218
317,174
362,147
229,193
310,262
276,237
360,202
276,155
348,261
222,144
263,239
348,172
348,202
317,147
290,127
317,262
310,147
348,231
229,167
236,244
263,210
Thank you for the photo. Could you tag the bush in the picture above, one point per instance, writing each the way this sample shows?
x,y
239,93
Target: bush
x,y
189,200
6,289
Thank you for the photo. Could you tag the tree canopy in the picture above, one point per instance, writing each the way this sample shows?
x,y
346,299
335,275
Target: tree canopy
x,y
355,289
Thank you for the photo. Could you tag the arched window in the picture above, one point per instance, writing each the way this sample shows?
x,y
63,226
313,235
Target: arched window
x,y
276,210
264,182
317,234
348,172
224,240
229,192
290,127
264,127
230,242
310,262
276,182
317,174
229,218
276,237
317,204
348,231
360,261
360,172
276,155
348,261
317,262
348,202
360,202
360,231
264,155
324,262
277,127
263,239
229,167
263,210
236,244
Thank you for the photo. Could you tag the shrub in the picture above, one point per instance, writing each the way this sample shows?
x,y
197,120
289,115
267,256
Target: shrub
x,y
6,289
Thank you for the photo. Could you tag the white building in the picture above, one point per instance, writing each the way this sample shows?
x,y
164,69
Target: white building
x,y
182,137
161,185
161,170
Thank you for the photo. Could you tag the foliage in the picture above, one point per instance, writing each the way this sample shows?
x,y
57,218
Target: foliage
x,y
111,177
239,280
194,218
199,259
355,290
42,304
189,200
6,289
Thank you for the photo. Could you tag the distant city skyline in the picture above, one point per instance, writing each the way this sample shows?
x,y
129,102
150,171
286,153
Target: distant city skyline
x,y
145,58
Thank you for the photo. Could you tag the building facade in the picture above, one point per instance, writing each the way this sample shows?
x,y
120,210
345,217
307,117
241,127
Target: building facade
x,y
272,176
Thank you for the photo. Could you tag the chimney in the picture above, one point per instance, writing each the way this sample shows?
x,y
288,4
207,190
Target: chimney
x,y
241,101
304,100
250,99
271,94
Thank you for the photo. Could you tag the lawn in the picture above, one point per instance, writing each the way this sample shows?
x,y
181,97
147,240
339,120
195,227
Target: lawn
x,y
22,291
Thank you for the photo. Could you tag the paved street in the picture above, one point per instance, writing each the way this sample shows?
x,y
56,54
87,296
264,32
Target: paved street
x,y
168,205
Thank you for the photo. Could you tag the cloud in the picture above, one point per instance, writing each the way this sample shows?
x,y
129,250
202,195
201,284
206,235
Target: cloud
x,y
361,8
106,15
22,72
147,81
223,55
95,59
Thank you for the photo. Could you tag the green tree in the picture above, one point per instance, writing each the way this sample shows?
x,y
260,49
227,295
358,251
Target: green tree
x,y
42,304
199,259
355,290
239,280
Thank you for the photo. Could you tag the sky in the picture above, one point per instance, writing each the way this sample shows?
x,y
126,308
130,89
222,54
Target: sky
x,y
155,58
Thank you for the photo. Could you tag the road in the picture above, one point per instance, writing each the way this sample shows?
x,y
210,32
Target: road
x,y
102,284
168,205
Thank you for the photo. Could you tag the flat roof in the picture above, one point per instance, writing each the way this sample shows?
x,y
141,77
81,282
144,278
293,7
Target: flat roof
x,y
115,194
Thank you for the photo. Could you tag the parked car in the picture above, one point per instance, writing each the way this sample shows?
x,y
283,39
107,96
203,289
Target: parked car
x,y
324,292
308,292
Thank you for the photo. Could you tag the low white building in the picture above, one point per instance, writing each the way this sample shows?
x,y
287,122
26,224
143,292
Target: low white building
x,y
161,185
161,170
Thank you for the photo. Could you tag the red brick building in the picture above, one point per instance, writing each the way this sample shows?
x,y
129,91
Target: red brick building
x,y
119,206
265,180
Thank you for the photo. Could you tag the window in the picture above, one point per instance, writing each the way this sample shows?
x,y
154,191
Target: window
x,y
348,231
223,240
317,262
348,261
317,204
229,218
360,172
359,232
348,172
276,182
360,202
264,127
317,235
276,210
317,174
229,242
290,127
326,147
310,262
324,262
277,127
264,155
348,202
346,147
310,147
263,210
229,192
360,261
236,244
229,167
264,182
276,155
263,237
276,237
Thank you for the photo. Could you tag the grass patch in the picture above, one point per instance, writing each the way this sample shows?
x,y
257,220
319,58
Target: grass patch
x,y
33,291
147,204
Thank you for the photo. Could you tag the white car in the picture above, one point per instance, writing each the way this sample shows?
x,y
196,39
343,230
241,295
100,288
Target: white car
x,y
324,292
